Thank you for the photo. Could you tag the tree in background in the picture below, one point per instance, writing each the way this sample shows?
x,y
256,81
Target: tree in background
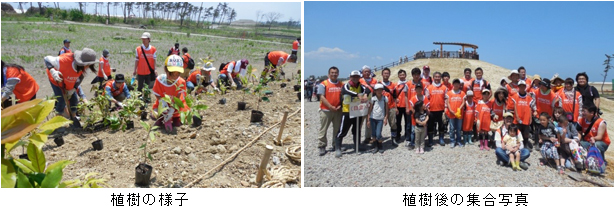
x,y
608,66
272,17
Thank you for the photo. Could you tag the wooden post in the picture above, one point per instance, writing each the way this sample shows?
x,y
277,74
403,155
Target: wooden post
x,y
441,52
263,166
282,127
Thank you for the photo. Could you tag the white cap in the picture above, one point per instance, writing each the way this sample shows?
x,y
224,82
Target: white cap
x,y
146,35
470,93
365,67
522,82
514,71
355,73
379,86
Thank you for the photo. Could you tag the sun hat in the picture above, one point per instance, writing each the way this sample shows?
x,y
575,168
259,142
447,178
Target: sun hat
x,y
174,63
146,35
556,77
208,66
507,114
505,79
536,77
486,90
355,73
514,71
379,86
85,57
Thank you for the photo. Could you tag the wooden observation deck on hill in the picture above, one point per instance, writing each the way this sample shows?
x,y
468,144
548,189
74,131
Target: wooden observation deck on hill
x,y
462,53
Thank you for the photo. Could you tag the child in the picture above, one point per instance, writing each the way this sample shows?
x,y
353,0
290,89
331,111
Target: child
x,y
377,113
511,145
419,89
454,102
421,118
201,79
173,85
469,116
557,113
483,119
549,138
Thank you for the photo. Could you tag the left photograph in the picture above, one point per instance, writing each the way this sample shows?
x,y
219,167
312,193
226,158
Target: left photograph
x,y
151,94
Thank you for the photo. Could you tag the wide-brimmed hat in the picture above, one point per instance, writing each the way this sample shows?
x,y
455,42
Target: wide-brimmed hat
x,y
174,63
85,57
507,114
209,66
556,78
536,77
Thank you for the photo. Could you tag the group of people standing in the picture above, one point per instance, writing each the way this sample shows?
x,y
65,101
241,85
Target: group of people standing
x,y
557,114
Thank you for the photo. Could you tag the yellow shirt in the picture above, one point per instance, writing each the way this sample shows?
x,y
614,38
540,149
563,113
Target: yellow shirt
x,y
347,99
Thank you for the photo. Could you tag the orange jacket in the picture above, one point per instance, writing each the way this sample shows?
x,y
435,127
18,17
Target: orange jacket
x,y
413,101
333,94
161,89
436,95
69,75
545,103
469,116
455,100
274,57
568,103
103,65
142,68
295,45
594,130
484,115
26,88
524,108
389,94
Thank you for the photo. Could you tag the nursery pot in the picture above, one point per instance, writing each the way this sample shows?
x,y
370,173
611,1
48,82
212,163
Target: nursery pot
x,y
143,172
241,105
24,156
143,115
196,121
283,85
297,87
257,116
59,140
98,145
130,124
298,96
222,101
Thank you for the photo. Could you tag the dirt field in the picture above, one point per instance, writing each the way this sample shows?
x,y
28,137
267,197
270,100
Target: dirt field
x,y
178,159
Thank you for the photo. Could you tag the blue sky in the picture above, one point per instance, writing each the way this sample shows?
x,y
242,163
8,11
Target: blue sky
x,y
245,10
545,37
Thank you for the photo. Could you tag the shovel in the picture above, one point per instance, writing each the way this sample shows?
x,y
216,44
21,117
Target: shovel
x,y
579,178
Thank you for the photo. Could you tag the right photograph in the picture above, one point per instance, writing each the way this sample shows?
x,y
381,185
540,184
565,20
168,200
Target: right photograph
x,y
458,94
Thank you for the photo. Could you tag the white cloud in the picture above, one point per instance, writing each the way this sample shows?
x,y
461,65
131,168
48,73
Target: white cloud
x,y
377,58
331,53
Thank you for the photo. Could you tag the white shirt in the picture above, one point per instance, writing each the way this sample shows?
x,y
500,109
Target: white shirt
x,y
379,107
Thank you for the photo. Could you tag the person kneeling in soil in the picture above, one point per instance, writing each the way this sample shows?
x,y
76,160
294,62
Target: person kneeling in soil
x,y
378,112
117,91
275,59
201,79
173,85
229,73
500,150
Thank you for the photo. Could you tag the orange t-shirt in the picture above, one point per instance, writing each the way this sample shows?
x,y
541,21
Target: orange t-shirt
x,y
412,90
413,101
186,58
401,96
568,103
333,93
524,110
497,109
114,91
436,95
103,65
469,116
484,115
389,94
512,91
26,88
544,103
455,100
69,75
594,130
225,70
274,56
371,85
161,89
143,68
466,83
295,45
477,89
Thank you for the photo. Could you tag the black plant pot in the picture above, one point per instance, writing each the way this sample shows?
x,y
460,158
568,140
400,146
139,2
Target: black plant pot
x,y
143,115
24,156
283,85
98,145
256,117
130,124
196,121
222,101
59,140
241,105
299,96
297,87
143,172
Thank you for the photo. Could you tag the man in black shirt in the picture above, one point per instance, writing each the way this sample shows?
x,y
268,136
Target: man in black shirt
x,y
590,93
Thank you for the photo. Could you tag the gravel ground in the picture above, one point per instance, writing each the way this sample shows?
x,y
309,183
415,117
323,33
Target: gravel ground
x,y
399,167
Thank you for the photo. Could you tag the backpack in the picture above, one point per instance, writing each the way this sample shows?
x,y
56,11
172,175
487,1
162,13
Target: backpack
x,y
594,162
222,65
190,63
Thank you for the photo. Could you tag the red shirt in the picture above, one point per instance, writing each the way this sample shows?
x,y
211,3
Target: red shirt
x,y
114,91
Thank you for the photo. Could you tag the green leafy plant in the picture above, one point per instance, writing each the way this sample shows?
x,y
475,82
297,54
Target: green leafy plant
x,y
259,91
17,122
89,181
150,137
131,109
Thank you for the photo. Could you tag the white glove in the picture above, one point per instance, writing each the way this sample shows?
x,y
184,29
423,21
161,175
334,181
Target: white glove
x,y
70,93
216,89
56,75
106,78
167,114
120,104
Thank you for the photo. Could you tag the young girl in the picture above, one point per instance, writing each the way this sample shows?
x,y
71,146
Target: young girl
x,y
511,145
377,113
421,118
483,119
557,113
570,141
549,138
469,116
